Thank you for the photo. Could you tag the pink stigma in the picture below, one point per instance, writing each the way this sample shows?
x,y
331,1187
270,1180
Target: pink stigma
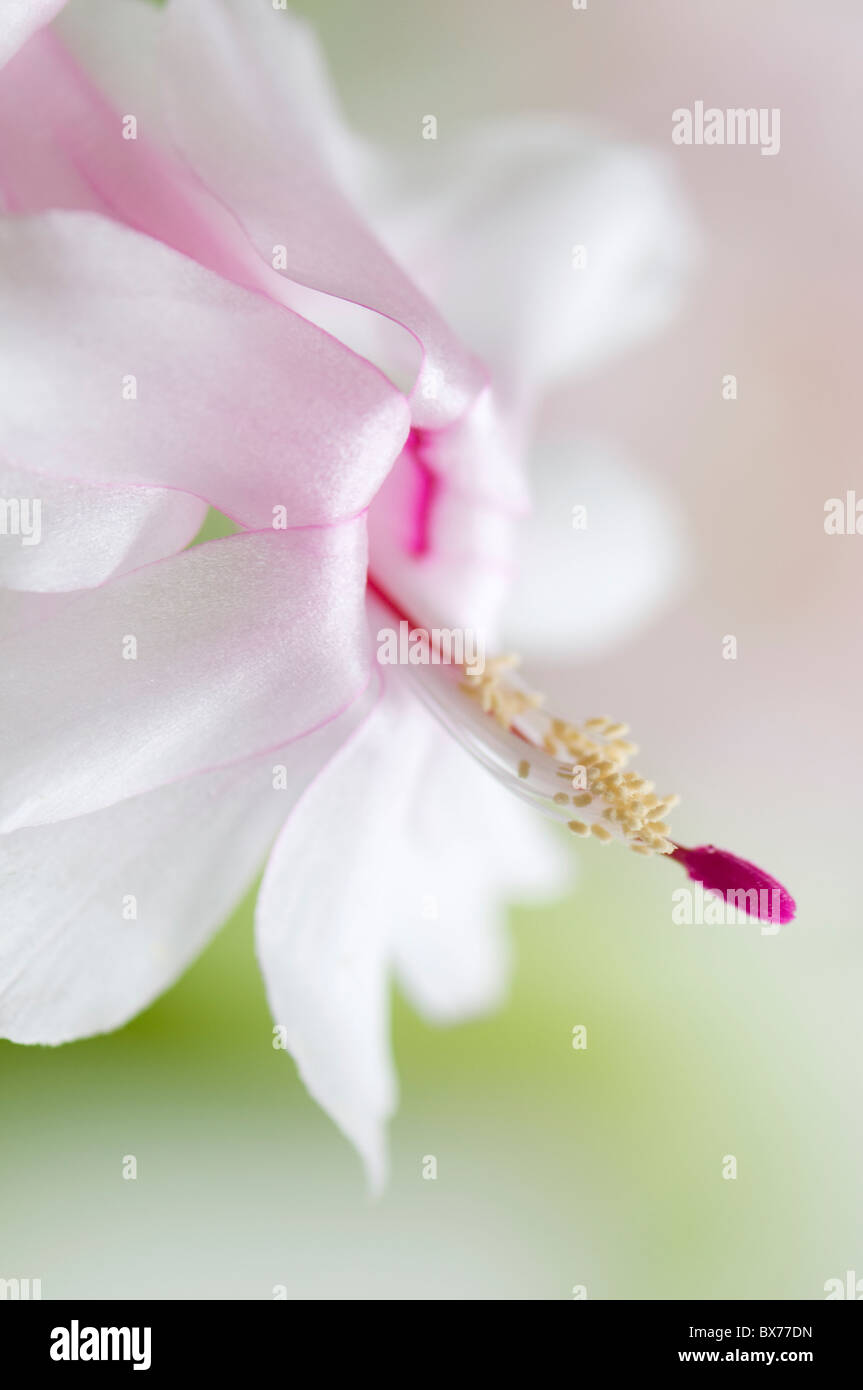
x,y
721,872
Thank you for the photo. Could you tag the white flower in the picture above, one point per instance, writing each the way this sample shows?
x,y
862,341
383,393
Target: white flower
x,y
170,715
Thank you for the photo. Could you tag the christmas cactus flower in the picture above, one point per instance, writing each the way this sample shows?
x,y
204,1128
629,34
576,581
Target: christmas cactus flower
x,y
197,311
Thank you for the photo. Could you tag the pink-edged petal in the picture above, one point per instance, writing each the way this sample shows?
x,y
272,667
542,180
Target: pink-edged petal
x,y
240,644
75,536
102,913
236,90
123,361
21,18
547,248
79,153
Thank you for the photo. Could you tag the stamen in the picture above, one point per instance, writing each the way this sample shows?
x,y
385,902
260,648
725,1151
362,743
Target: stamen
x,y
496,717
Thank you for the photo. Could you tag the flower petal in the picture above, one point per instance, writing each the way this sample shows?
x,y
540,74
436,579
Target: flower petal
x,y
240,645
324,932
444,554
102,913
441,527
491,224
587,579
236,88
175,377
467,848
326,940
20,610
76,536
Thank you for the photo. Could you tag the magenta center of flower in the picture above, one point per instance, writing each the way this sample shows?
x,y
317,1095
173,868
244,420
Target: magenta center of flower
x,y
426,487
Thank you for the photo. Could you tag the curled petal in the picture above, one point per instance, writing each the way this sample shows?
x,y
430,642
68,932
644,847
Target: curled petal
x,y
174,377
236,89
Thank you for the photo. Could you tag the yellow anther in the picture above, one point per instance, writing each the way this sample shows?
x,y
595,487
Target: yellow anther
x,y
578,827
596,753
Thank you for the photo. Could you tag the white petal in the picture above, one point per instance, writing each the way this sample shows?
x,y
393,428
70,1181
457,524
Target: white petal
x,y
468,849
581,589
489,224
406,818
324,923
239,645
19,610
73,959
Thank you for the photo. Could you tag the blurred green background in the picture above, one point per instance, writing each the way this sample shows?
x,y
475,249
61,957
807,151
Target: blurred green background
x,y
556,1167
